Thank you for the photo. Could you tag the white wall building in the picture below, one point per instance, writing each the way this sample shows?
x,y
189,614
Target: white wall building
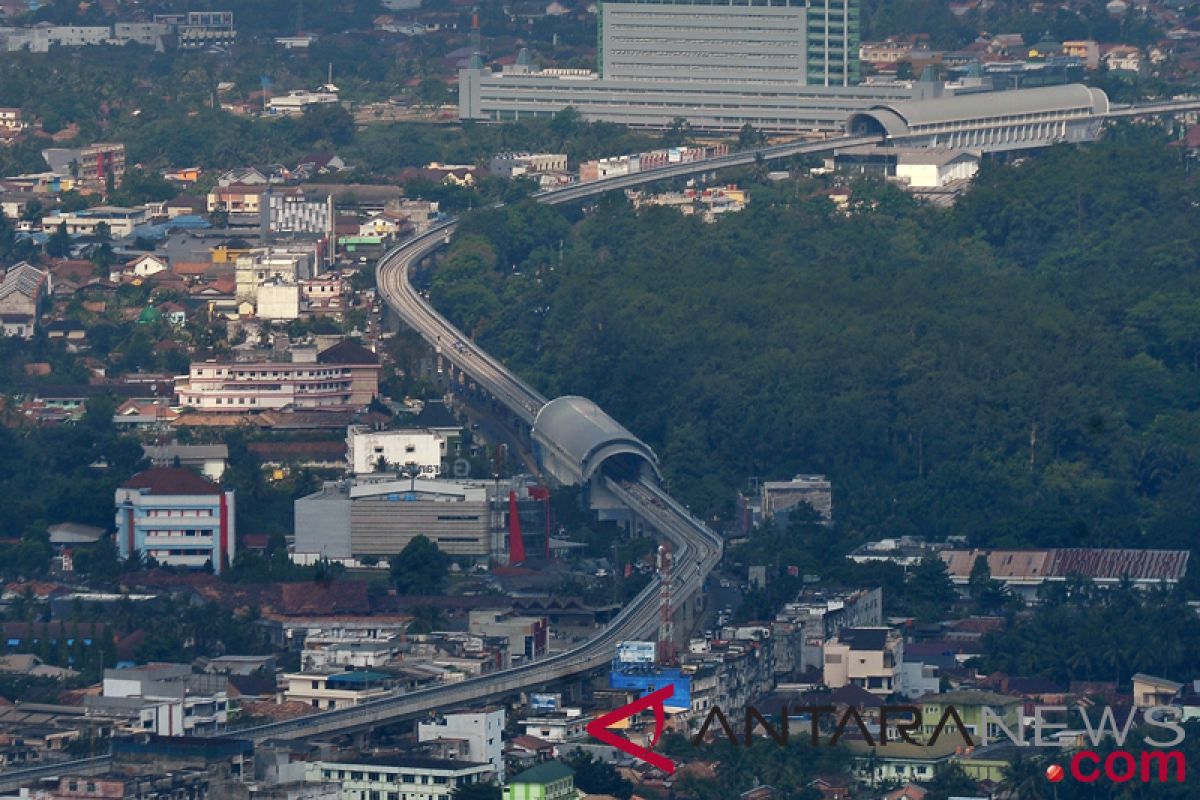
x,y
278,300
295,101
332,690
422,449
166,699
482,731
399,777
934,168
120,221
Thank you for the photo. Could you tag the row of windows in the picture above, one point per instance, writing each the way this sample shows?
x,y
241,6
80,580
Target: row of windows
x,y
1011,119
191,533
709,59
238,374
179,512
386,777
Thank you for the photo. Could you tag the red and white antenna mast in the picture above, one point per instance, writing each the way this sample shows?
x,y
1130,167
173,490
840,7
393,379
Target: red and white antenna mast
x,y
666,623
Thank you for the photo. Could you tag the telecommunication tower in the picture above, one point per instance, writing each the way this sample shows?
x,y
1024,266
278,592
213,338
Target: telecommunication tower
x,y
666,624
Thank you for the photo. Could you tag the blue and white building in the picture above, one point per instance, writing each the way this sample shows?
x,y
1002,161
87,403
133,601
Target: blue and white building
x,y
176,517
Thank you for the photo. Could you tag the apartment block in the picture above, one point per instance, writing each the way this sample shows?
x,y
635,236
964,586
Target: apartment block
x,y
165,699
343,376
481,733
336,689
868,658
803,627
176,517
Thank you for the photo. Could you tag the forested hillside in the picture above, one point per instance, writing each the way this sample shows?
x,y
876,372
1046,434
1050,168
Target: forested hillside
x,y
1022,368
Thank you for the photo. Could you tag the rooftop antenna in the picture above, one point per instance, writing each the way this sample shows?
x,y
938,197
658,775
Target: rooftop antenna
x,y
475,46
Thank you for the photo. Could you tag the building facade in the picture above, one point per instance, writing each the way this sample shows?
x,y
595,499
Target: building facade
x,y
481,730
868,658
294,213
795,108
21,293
176,517
343,376
332,690
379,517
552,780
779,498
417,450
399,777
166,699
813,42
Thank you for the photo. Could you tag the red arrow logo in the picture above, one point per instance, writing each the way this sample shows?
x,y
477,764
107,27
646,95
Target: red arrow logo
x,y
599,728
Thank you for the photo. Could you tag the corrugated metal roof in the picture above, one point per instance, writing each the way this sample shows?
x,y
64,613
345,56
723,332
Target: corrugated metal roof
x,y
1010,564
1092,563
1115,563
991,104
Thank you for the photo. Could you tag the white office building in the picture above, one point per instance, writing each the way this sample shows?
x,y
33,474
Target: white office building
x,y
781,65
402,450
481,732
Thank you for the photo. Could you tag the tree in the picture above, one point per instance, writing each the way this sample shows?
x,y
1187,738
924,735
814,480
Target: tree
x,y
930,588
59,243
594,776
427,619
477,791
989,595
749,138
420,568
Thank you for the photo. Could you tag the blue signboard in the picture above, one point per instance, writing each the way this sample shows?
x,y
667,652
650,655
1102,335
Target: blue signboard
x,y
651,678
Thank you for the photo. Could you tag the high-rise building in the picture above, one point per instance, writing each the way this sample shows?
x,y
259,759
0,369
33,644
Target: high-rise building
x,y
783,66
751,42
833,39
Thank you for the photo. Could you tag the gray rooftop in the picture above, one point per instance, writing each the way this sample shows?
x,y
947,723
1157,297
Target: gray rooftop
x,y
584,431
1038,100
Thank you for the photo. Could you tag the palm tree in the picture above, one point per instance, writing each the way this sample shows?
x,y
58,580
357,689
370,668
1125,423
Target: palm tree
x,y
1024,779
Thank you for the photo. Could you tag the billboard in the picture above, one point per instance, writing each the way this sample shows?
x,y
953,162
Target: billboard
x,y
636,652
646,679
544,702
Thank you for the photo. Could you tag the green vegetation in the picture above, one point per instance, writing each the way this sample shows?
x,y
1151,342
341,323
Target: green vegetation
x,y
420,568
1019,369
161,107
597,777
1097,635
57,474
924,592
789,769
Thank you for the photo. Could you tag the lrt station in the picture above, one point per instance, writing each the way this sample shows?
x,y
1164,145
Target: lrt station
x,y
577,443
